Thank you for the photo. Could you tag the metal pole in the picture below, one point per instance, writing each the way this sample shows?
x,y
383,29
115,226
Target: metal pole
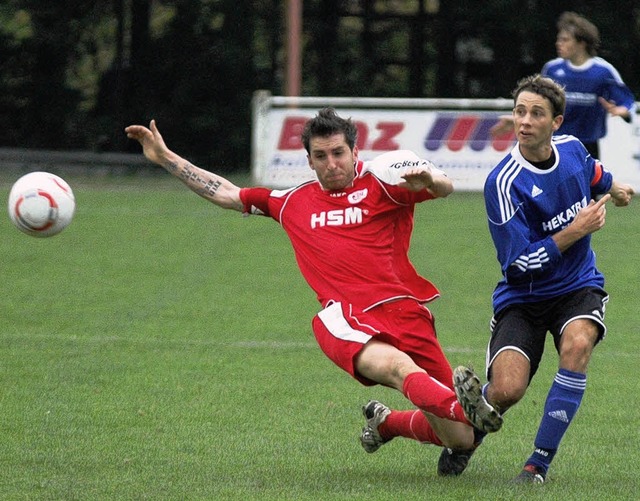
x,y
294,49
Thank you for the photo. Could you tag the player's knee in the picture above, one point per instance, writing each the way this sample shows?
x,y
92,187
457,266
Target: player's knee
x,y
577,347
575,352
579,337
504,395
384,364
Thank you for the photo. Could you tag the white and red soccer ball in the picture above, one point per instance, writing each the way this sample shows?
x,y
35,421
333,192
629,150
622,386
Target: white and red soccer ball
x,y
41,204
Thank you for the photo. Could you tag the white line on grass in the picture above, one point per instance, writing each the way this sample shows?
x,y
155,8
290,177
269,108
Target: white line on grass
x,y
247,344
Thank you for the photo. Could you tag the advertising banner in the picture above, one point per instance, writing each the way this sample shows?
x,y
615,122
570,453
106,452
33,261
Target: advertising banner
x,y
453,134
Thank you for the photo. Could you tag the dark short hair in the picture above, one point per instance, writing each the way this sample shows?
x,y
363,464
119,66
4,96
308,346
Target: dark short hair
x,y
545,87
327,123
582,30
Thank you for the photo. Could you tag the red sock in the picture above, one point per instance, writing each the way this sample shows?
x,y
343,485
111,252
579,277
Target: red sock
x,y
409,424
432,396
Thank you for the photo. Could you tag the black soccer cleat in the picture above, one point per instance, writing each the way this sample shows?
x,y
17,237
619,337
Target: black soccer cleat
x,y
530,475
453,462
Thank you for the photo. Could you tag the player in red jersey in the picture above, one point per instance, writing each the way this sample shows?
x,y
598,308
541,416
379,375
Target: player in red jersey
x,y
350,231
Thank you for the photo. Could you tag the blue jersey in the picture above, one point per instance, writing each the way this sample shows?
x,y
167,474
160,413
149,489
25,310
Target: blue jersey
x,y
526,206
584,116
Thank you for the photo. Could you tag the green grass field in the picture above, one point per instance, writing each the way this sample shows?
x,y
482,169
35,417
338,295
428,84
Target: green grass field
x,y
160,348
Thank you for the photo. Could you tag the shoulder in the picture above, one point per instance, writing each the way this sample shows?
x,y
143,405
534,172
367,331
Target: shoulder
x,y
394,159
568,143
500,189
564,139
289,191
606,67
274,202
552,64
389,167
602,63
505,178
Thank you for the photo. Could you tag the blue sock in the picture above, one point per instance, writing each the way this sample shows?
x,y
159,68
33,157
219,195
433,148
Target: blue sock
x,y
562,403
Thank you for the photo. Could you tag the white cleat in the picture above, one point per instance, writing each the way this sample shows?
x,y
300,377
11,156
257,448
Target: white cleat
x,y
375,413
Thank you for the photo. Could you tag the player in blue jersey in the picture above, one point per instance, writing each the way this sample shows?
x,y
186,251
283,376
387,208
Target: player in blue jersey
x,y
593,87
542,209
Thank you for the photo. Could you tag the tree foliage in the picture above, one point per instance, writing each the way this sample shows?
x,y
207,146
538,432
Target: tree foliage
x,y
73,74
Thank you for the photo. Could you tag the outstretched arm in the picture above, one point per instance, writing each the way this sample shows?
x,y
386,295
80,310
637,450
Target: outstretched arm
x,y
208,185
417,179
615,110
503,126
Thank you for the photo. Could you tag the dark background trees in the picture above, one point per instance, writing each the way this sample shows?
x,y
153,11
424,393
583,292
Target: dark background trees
x,y
73,74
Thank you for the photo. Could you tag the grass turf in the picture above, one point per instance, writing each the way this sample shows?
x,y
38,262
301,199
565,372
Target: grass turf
x,y
160,348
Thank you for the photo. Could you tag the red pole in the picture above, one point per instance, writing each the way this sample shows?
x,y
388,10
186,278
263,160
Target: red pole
x,y
294,49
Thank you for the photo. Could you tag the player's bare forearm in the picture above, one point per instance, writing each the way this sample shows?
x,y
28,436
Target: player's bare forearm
x,y
208,185
614,110
441,186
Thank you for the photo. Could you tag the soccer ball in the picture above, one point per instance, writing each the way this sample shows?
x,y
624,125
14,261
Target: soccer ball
x,y
41,204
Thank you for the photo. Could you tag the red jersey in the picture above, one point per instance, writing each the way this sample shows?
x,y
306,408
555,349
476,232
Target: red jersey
x,y
352,245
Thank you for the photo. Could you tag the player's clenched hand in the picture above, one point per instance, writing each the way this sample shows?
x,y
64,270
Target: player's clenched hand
x,y
417,179
592,217
153,145
621,194
613,109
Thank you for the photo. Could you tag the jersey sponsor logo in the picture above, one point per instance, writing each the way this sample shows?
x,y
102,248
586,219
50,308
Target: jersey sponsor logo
x,y
455,131
565,217
337,217
582,98
408,164
357,196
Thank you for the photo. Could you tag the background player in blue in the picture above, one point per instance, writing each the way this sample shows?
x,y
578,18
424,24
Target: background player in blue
x,y
542,209
593,87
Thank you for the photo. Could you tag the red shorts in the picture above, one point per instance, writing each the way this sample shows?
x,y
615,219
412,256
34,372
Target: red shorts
x,y
342,331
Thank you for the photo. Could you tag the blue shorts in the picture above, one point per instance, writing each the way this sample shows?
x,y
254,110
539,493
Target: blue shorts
x,y
523,327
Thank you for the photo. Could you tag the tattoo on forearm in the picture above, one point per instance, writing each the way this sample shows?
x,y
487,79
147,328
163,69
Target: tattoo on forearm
x,y
211,187
191,177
